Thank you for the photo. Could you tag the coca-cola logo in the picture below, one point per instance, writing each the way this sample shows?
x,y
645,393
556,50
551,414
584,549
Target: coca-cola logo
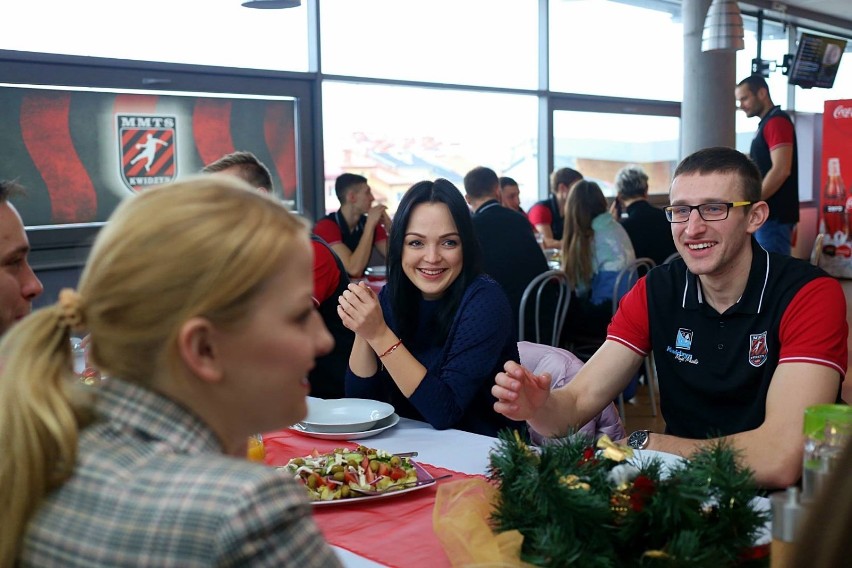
x,y
841,111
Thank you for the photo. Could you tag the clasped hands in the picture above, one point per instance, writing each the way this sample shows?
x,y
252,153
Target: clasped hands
x,y
359,310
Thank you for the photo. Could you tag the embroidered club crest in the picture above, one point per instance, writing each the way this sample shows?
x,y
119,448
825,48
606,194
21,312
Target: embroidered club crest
x,y
758,351
147,152
684,339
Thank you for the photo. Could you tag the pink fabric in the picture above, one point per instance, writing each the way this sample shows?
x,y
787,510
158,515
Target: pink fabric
x,y
563,366
394,531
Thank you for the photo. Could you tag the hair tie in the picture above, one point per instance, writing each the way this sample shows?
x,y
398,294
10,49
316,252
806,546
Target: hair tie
x,y
71,312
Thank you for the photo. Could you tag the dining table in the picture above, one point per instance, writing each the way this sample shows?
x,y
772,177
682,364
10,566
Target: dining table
x,y
397,531
357,531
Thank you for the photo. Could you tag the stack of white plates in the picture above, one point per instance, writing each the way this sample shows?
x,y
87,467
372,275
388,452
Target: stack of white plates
x,y
346,418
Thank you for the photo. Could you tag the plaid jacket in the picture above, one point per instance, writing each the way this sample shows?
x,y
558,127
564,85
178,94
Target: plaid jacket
x,y
151,488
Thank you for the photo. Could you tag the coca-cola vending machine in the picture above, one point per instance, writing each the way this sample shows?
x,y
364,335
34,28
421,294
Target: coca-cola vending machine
x,y
835,208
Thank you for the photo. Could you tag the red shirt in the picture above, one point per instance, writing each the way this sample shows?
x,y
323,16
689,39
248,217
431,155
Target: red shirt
x,y
326,273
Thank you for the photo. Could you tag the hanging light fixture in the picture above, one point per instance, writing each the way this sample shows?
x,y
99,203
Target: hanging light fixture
x,y
272,4
723,27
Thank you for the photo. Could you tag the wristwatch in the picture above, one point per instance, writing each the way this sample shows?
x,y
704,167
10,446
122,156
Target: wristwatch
x,y
639,439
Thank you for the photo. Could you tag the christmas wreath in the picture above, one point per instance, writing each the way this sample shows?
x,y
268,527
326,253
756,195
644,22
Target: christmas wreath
x,y
579,506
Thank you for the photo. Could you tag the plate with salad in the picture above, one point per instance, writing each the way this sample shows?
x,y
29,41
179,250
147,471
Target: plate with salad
x,y
354,475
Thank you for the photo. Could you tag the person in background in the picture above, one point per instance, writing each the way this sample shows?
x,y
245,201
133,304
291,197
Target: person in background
x,y
243,165
432,339
510,253
200,356
329,275
775,152
546,216
510,194
646,225
357,227
595,248
744,340
19,285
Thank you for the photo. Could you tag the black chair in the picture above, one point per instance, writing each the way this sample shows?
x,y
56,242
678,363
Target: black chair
x,y
623,282
553,290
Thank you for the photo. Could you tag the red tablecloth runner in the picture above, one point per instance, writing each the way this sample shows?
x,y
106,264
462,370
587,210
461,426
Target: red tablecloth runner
x,y
394,531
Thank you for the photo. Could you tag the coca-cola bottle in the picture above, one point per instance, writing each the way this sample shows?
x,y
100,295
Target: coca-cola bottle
x,y
834,222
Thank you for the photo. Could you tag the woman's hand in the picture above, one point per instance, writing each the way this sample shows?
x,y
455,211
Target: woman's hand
x,y
360,311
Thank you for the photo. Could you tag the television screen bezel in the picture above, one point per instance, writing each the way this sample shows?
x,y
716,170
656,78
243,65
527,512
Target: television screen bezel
x,y
796,78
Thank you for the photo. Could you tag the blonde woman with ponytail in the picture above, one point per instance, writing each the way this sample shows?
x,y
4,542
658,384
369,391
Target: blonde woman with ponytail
x,y
197,301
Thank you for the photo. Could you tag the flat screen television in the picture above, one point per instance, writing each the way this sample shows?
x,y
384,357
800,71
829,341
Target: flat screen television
x,y
816,61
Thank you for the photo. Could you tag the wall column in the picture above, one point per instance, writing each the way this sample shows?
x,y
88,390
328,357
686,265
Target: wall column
x,y
709,107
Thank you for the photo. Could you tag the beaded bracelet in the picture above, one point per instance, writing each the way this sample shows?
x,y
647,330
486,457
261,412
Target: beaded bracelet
x,y
391,349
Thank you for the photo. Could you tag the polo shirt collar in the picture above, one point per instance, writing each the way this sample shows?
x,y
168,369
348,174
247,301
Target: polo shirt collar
x,y
751,302
487,205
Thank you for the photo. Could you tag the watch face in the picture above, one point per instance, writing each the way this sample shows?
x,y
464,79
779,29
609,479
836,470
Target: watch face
x,y
638,439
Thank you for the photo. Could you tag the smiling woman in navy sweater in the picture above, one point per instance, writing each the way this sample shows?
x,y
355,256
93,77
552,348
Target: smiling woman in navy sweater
x,y
435,336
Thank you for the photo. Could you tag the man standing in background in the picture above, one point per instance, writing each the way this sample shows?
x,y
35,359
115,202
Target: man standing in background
x,y
357,226
19,285
776,155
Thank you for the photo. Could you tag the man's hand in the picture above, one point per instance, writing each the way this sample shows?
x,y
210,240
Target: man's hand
x,y
519,393
375,215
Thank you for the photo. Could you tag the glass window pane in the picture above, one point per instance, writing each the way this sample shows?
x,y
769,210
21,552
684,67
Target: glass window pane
x,y
397,136
202,32
469,42
616,49
599,144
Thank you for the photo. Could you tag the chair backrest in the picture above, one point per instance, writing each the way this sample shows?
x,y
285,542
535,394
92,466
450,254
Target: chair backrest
x,y
628,277
554,280
563,366
672,257
816,251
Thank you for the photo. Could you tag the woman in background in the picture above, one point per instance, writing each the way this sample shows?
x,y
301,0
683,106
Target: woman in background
x,y
595,249
439,331
197,301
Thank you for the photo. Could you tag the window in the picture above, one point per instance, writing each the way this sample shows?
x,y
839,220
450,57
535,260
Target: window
x,y
201,32
599,144
469,42
616,49
396,136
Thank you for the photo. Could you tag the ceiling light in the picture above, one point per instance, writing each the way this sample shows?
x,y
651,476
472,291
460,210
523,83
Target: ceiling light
x,y
272,4
723,27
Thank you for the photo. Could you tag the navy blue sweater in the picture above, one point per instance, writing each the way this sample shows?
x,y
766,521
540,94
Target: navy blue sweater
x,y
456,391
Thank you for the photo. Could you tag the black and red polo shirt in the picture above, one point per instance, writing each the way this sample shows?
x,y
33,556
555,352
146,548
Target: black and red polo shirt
x,y
714,369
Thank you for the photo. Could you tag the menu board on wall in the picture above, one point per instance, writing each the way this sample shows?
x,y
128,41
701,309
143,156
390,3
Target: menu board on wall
x,y
78,152
816,61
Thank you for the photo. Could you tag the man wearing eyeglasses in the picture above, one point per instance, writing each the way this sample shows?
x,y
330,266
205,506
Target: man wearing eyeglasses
x,y
744,340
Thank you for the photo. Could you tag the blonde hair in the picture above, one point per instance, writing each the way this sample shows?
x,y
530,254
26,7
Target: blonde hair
x,y
202,247
585,202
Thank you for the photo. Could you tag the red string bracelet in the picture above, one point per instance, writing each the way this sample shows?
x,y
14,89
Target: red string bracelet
x,y
391,349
